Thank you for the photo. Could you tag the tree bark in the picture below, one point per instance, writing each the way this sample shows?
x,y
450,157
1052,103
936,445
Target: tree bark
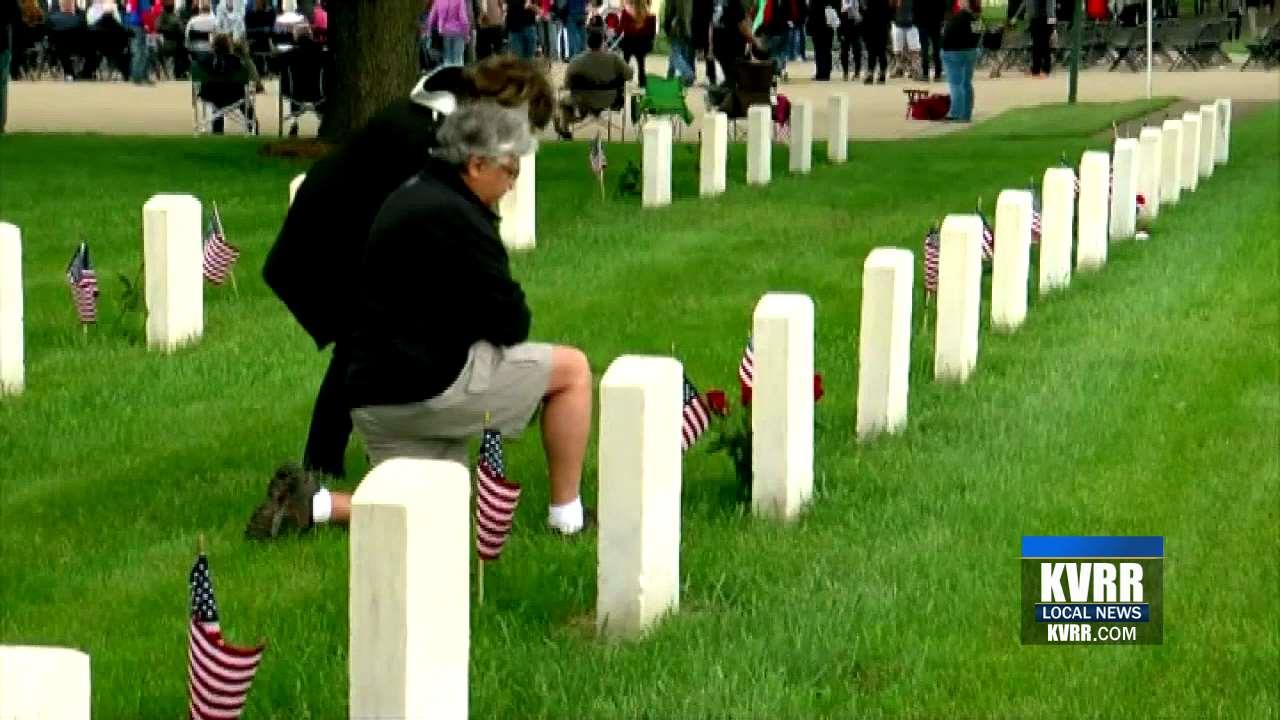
x,y
375,52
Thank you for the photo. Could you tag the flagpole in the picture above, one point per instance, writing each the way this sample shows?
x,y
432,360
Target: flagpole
x,y
235,289
479,559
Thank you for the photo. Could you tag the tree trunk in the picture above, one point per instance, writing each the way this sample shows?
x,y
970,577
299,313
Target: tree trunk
x,y
375,52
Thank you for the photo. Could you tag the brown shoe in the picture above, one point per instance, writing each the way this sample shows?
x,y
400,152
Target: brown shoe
x,y
287,507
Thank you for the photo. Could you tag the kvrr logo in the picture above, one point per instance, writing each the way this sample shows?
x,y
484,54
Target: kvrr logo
x,y
1090,589
1097,582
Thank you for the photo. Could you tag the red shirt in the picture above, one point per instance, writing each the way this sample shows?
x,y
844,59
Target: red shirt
x,y
149,20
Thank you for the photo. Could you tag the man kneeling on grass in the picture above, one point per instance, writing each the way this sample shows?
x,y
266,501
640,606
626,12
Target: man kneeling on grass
x,y
438,348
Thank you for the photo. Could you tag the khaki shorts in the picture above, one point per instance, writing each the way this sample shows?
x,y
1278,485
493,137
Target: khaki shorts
x,y
499,388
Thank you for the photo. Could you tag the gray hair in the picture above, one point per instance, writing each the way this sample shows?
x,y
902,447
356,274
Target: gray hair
x,y
484,129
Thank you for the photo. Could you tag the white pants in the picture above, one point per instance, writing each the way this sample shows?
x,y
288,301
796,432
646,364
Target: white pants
x,y
906,38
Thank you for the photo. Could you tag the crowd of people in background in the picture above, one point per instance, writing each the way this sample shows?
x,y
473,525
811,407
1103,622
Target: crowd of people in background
x,y
137,40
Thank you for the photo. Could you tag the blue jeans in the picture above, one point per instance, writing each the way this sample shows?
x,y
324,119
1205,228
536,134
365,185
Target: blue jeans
x,y
522,42
778,52
139,63
958,66
454,49
796,46
680,62
576,28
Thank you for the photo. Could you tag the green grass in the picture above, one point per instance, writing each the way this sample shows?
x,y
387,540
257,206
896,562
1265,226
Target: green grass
x,y
1063,120
1145,400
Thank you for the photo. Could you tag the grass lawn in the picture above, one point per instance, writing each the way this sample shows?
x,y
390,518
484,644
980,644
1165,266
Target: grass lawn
x,y
1144,400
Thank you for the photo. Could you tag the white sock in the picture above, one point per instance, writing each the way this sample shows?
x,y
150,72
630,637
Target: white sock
x,y
321,506
566,518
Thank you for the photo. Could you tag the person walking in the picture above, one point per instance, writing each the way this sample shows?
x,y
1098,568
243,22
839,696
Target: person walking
x,y
821,23
960,40
450,19
677,24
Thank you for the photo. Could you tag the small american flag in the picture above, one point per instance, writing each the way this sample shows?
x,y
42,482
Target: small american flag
x,y
219,255
1075,178
597,157
747,368
988,238
496,498
1036,226
932,248
218,674
84,285
696,416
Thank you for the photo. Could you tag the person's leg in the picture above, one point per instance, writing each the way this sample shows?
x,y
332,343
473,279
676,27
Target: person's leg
x,y
4,88
822,53
566,422
640,68
936,36
330,429
954,84
138,53
970,59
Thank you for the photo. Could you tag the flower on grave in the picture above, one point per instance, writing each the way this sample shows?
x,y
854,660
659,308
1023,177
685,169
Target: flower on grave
x,y
718,402
733,432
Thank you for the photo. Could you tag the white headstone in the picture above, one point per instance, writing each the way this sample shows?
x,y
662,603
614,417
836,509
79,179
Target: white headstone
x,y
782,405
12,372
838,132
410,592
715,154
1150,154
1011,265
294,184
39,683
1123,193
638,579
1171,162
1056,219
884,341
518,228
174,255
959,298
1190,151
657,163
759,144
1222,144
801,137
1208,138
1095,177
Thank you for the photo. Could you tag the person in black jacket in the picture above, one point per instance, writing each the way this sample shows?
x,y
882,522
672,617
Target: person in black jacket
x,y
1042,17
436,361
928,16
822,31
876,17
960,40
325,232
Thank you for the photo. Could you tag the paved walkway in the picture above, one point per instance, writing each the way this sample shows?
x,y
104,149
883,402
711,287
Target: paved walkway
x,y
878,110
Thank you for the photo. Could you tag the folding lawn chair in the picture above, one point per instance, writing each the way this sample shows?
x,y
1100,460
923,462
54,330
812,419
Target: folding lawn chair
x,y
661,98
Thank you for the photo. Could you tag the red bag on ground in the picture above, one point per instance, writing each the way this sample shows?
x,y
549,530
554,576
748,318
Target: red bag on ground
x,y
932,107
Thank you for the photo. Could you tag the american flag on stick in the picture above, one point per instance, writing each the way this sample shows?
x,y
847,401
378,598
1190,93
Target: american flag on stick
x,y
1036,226
218,674
695,416
496,498
219,255
84,285
747,368
988,238
599,161
932,248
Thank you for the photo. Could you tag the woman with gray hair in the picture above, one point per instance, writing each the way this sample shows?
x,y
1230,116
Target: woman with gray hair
x,y
439,345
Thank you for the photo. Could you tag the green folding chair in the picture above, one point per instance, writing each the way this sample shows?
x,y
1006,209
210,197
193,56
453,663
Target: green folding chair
x,y
661,98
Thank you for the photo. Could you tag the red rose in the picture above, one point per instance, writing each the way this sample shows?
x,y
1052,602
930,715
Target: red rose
x,y
818,390
718,402
746,393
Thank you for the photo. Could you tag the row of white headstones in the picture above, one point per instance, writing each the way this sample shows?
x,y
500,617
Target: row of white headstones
x,y
411,544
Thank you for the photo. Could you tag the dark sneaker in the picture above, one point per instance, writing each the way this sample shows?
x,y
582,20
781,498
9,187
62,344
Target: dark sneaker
x,y
287,507
870,79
